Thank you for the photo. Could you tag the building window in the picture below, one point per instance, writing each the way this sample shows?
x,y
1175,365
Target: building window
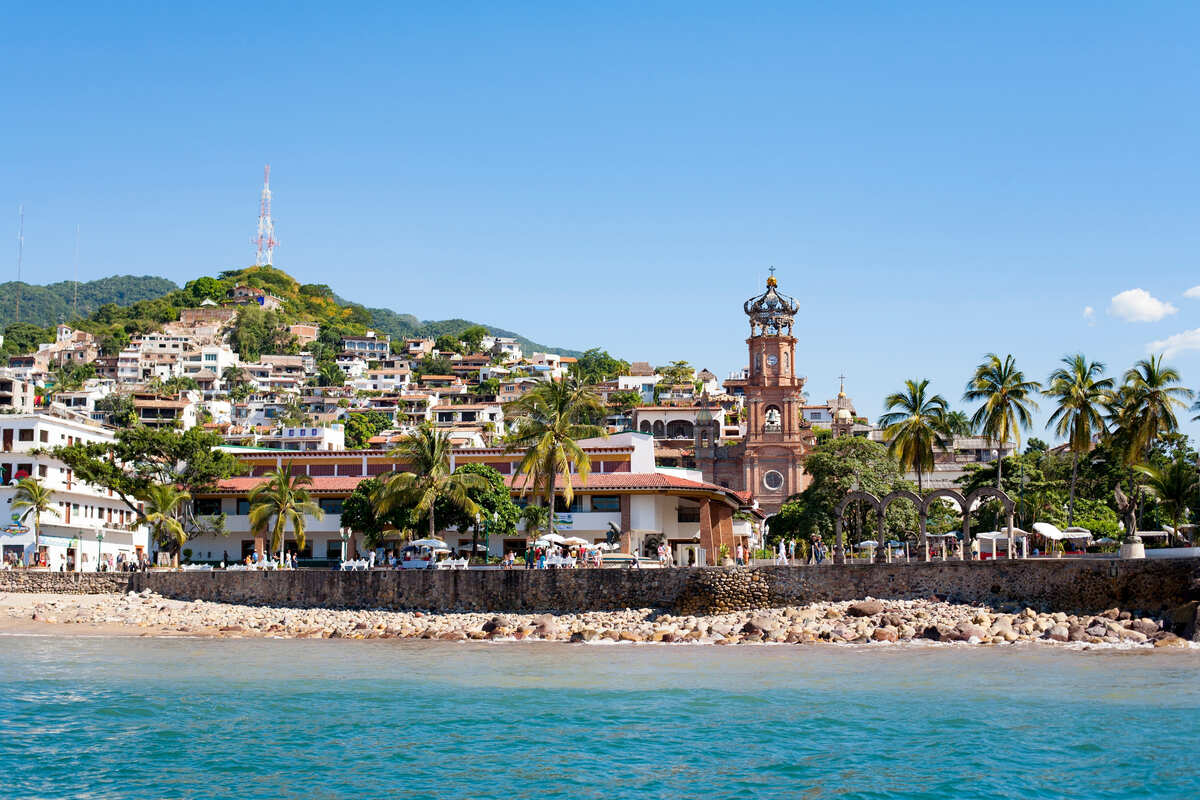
x,y
207,506
45,435
561,507
243,507
688,514
330,505
25,435
773,480
606,502
42,471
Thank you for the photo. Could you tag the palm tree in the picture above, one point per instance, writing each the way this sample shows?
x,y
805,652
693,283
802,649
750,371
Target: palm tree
x,y
913,424
282,496
163,502
1007,402
1174,485
36,499
549,418
1154,394
957,423
1081,393
427,453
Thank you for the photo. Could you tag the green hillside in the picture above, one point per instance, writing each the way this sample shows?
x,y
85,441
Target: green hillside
x,y
118,308
49,305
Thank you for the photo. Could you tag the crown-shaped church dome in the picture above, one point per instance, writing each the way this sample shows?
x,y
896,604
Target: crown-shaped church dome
x,y
771,313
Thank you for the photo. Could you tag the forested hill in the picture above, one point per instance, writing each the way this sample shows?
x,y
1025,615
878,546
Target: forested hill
x,y
118,308
405,325
49,305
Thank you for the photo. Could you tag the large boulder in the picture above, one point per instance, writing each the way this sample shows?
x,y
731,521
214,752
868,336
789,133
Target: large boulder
x,y
865,608
1059,633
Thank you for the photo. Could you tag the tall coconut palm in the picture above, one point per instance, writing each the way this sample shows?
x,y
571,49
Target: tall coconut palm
x,y
957,423
163,504
426,451
1007,402
284,498
549,419
36,499
915,421
1174,485
1080,392
1154,394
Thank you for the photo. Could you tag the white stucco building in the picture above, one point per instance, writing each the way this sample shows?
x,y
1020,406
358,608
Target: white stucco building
x,y
88,521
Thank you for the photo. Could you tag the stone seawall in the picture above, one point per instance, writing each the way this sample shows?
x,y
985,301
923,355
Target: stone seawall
x,y
1067,584
35,581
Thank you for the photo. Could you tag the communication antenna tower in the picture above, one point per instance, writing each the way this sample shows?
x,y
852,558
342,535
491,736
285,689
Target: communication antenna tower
x,y
265,241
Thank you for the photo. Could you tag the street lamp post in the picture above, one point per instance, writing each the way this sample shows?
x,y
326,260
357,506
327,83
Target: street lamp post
x,y
77,550
99,546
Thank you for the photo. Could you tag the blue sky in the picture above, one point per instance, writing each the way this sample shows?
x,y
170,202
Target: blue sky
x,y
932,182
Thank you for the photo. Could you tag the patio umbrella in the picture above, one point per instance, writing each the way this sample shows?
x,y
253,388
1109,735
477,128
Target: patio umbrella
x,y
1047,530
431,543
867,543
1106,540
553,538
574,540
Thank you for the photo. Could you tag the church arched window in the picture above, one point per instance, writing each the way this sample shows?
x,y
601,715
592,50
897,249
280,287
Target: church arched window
x,y
772,420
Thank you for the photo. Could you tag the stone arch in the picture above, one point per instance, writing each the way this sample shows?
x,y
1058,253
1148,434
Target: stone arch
x,y
772,419
977,496
839,552
927,503
645,426
658,429
680,429
918,504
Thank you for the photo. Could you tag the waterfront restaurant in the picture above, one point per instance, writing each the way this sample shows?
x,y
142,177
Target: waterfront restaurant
x,y
648,504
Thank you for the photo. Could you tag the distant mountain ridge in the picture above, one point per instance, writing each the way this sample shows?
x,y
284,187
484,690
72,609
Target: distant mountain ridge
x,y
52,303
406,325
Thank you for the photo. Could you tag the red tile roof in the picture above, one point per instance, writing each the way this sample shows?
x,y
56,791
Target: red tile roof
x,y
324,483
630,480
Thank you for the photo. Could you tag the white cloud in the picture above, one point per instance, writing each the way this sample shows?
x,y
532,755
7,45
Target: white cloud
x,y
1193,293
1138,305
1176,344
1089,314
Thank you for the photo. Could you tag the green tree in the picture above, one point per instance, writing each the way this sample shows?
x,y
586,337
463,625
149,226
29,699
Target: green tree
x,y
359,513
118,409
282,497
677,372
330,374
549,418
164,503
837,467
596,365
361,426
624,401
36,499
141,456
957,423
1175,487
447,343
472,338
1080,392
426,452
915,423
493,501
1007,401
1154,394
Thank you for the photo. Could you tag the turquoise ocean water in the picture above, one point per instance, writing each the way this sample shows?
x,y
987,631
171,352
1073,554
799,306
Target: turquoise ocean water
x,y
174,718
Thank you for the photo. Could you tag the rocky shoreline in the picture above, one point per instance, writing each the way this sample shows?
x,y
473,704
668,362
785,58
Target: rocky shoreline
x,y
858,622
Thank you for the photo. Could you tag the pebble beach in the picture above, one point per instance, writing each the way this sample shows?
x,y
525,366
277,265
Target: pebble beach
x,y
859,622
